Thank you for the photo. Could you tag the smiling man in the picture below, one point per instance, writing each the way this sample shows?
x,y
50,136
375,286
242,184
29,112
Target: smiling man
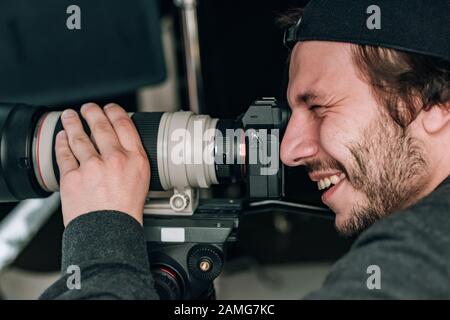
x,y
371,123
368,163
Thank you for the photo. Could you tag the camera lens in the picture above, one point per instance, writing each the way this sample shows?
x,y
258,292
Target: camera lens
x,y
179,146
185,150
230,151
17,176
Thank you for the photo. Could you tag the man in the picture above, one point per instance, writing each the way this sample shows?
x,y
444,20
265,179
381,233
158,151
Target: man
x,y
370,121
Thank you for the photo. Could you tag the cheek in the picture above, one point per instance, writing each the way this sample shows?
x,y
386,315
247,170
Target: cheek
x,y
335,136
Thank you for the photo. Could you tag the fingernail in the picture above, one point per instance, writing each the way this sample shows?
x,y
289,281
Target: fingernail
x,y
109,106
87,105
83,108
69,113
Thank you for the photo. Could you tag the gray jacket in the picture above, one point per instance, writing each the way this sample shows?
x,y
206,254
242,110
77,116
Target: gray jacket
x,y
403,256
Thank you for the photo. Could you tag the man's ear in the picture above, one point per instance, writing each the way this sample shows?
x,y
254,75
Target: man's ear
x,y
437,118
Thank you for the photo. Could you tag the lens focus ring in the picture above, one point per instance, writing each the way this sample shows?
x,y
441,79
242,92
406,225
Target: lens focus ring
x,y
147,124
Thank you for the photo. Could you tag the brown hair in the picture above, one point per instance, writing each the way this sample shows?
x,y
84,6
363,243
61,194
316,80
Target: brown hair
x,y
405,83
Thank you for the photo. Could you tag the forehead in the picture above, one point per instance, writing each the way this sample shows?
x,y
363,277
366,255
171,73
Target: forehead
x,y
321,64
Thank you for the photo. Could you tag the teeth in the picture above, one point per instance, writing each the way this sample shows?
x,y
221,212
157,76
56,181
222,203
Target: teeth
x,y
326,182
334,179
319,184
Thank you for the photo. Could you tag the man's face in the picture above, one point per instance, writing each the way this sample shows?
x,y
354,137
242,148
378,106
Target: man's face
x,y
346,139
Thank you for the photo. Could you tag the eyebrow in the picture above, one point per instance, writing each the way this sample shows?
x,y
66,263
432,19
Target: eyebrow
x,y
308,97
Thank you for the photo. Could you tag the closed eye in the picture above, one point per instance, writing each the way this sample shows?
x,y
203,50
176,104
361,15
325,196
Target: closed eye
x,y
318,110
314,107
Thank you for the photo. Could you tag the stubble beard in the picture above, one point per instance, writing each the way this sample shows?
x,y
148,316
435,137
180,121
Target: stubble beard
x,y
389,167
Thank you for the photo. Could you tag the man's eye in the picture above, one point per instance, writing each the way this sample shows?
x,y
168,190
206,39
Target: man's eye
x,y
318,110
314,107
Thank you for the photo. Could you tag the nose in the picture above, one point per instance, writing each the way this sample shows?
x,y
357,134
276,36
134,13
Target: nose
x,y
300,141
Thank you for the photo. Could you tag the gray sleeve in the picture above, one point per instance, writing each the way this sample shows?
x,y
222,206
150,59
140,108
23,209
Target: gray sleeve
x,y
412,265
110,250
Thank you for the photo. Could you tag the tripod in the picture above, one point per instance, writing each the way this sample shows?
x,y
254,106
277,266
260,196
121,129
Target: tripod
x,y
187,253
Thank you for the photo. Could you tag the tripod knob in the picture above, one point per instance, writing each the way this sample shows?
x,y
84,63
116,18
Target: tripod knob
x,y
179,201
205,262
167,284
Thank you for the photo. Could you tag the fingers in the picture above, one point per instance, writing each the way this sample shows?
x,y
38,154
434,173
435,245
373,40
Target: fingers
x,y
103,133
124,127
79,142
64,156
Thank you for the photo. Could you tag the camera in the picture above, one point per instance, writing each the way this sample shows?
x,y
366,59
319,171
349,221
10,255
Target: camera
x,y
186,151
186,235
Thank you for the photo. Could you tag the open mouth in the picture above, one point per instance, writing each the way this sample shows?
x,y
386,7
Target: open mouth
x,y
330,184
330,181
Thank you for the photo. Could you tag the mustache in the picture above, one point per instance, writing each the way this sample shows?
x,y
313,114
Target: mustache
x,y
324,165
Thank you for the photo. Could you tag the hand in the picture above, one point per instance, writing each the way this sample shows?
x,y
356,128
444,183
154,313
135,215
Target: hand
x,y
113,174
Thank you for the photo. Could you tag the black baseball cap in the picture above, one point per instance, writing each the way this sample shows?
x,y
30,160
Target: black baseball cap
x,y
417,26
